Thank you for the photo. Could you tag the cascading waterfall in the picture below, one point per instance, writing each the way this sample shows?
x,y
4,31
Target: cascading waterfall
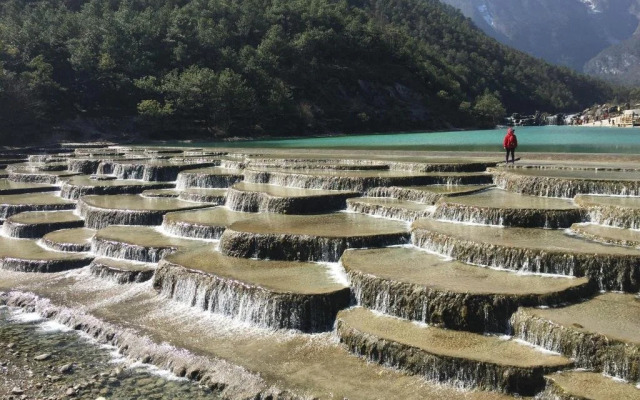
x,y
528,218
563,187
230,381
589,350
300,247
308,313
460,372
612,272
408,194
463,311
387,211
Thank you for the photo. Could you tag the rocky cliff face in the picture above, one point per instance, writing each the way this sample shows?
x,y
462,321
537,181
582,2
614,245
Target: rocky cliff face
x,y
570,32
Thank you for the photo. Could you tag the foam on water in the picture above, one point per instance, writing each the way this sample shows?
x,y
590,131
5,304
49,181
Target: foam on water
x,y
337,273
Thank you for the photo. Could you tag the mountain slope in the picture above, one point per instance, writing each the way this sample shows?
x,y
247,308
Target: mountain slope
x,y
175,68
568,32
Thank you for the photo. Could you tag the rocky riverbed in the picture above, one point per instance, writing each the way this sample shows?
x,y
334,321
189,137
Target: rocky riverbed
x,y
44,360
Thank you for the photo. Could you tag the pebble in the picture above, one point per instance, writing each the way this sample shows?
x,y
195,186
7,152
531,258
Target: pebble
x,y
17,390
71,392
65,369
42,357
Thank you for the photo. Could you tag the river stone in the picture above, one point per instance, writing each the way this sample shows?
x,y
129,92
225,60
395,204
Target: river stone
x,y
412,284
602,333
460,358
532,250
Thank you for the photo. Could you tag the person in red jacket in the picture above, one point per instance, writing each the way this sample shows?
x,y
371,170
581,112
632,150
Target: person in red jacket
x,y
510,143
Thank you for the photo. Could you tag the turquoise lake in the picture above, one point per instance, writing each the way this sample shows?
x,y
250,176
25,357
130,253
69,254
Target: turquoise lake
x,y
553,139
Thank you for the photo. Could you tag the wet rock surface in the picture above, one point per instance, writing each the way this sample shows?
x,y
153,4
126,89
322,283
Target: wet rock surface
x,y
419,286
309,238
74,368
268,293
532,250
35,224
498,207
470,360
225,291
571,385
602,333
255,197
208,223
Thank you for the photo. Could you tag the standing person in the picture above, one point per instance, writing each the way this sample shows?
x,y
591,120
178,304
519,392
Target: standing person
x,y
510,143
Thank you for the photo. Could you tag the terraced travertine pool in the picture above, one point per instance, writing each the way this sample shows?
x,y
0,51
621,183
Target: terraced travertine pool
x,y
271,273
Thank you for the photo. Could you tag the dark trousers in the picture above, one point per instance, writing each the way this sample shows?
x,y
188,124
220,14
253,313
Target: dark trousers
x,y
513,155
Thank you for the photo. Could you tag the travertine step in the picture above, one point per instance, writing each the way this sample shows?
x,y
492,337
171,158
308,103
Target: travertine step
x,y
73,240
499,207
101,211
567,183
12,204
602,333
309,238
607,234
122,271
159,170
215,177
204,195
173,193
585,385
359,181
35,224
460,358
402,210
9,187
137,243
208,223
257,197
532,250
273,294
424,194
82,185
27,256
413,284
621,212
33,175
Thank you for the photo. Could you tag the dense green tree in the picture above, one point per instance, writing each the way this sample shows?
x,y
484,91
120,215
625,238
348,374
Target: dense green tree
x,y
266,66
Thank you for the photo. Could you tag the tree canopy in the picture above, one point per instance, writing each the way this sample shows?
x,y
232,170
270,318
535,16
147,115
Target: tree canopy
x,y
266,67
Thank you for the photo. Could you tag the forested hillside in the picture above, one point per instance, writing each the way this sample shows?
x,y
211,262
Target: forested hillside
x,y
176,68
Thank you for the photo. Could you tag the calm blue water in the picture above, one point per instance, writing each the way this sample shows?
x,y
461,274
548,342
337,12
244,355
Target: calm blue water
x,y
555,139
